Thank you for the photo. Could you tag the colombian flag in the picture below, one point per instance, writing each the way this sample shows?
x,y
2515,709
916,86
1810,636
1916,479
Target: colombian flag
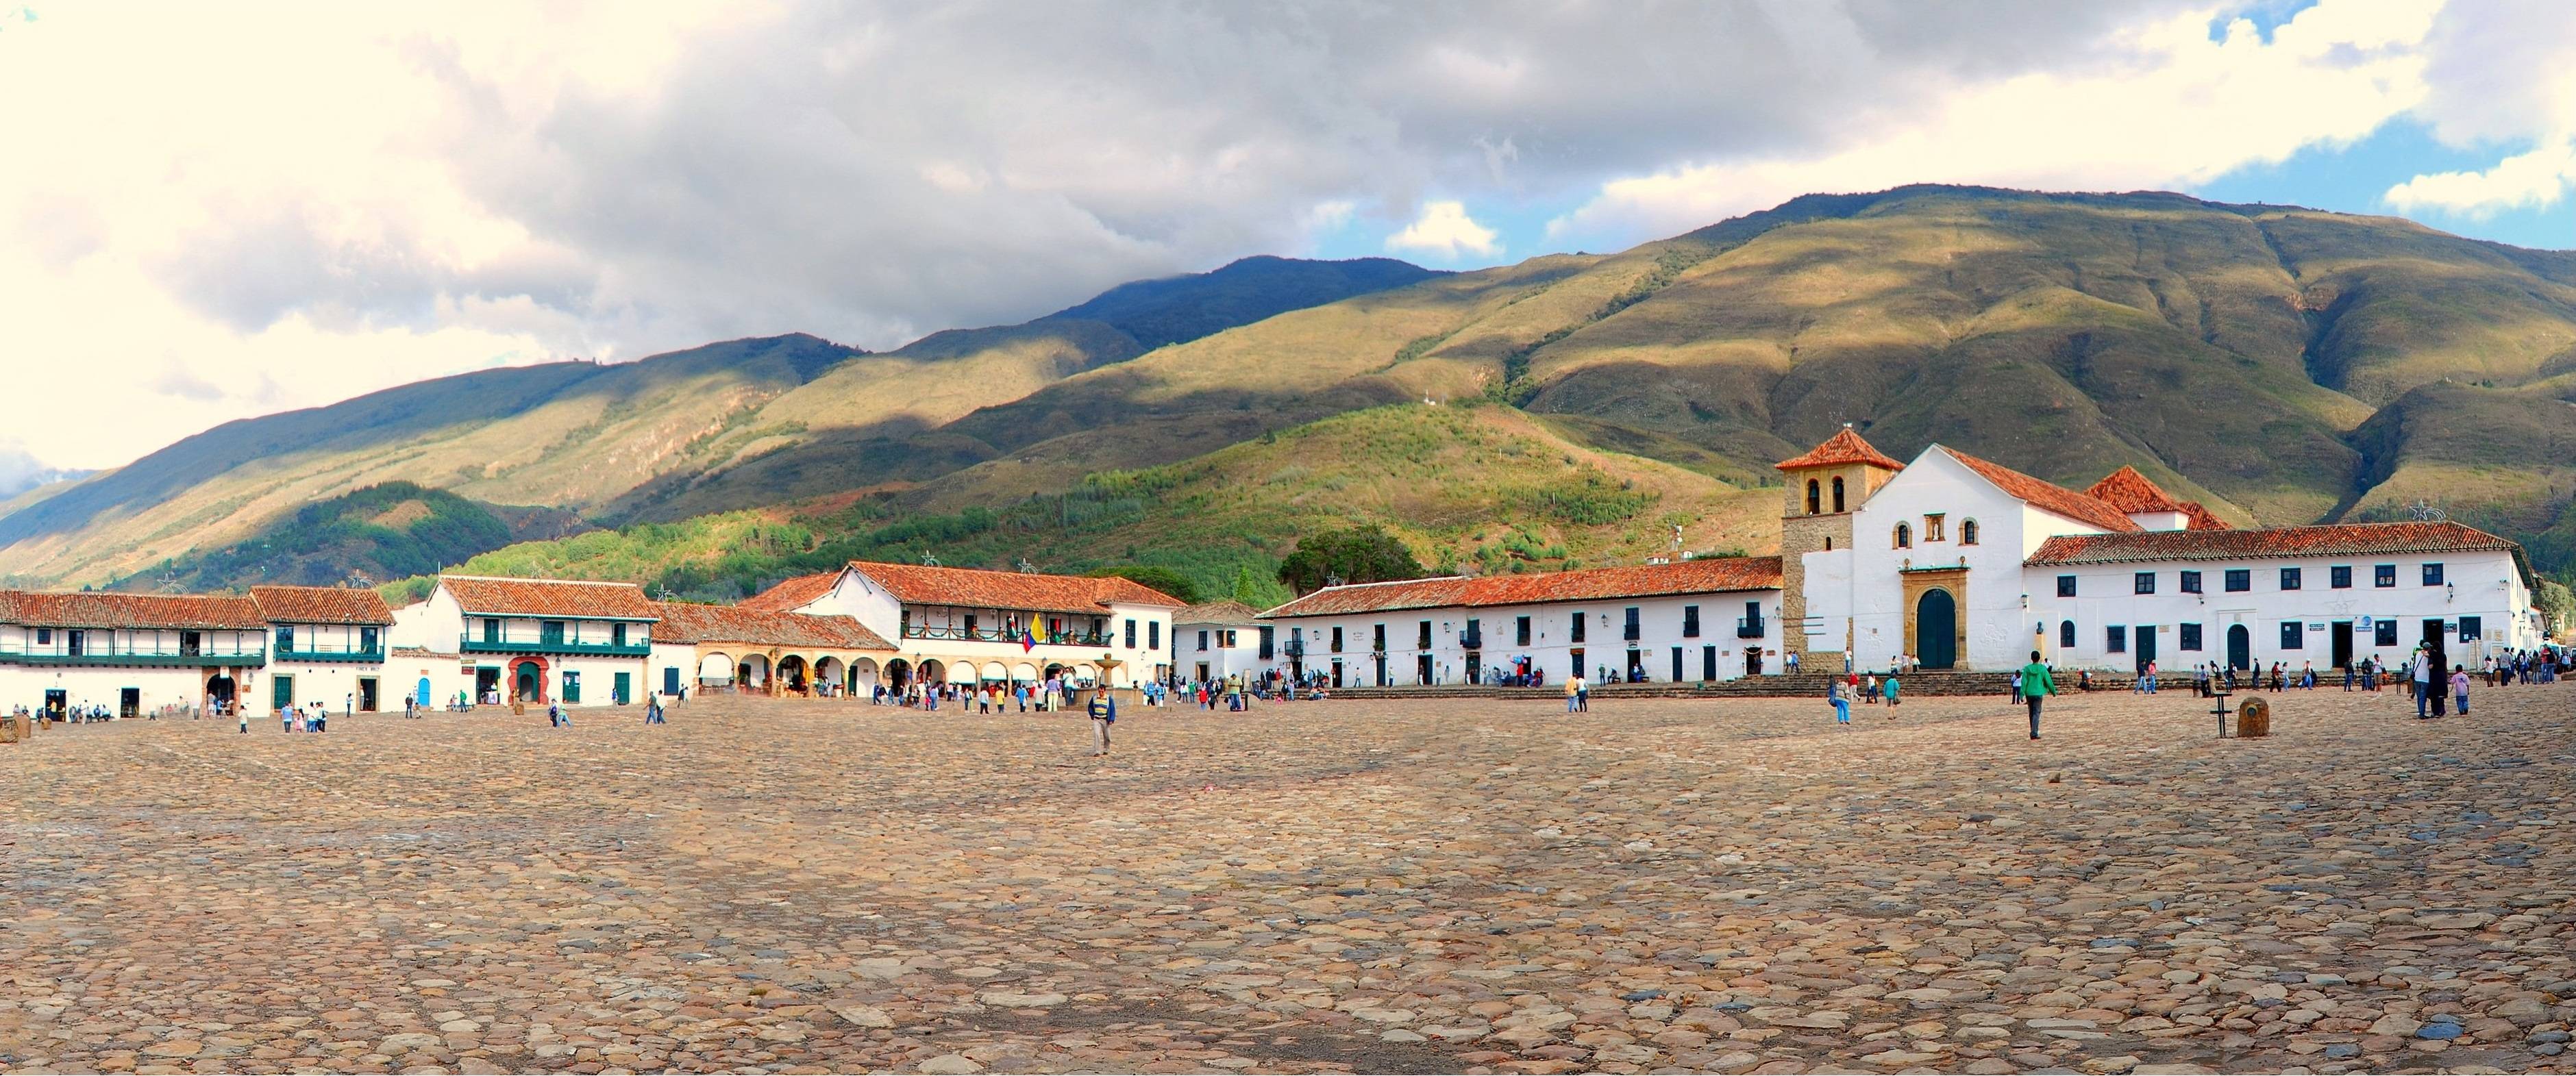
x,y
1030,639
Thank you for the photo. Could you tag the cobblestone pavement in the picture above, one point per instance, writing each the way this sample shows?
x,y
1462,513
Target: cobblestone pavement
x,y
1383,886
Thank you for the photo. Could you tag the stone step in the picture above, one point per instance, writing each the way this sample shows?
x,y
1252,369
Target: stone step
x,y
1798,685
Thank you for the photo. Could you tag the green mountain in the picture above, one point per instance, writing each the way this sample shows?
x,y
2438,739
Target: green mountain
x,y
368,536
2281,364
582,436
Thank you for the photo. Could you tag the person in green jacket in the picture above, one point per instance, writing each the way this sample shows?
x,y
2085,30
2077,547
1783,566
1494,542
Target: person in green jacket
x,y
2036,684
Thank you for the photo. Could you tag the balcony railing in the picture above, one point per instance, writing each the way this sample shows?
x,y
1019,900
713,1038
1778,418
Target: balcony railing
x,y
471,644
1473,640
376,655
163,658
1004,635
1748,627
1296,648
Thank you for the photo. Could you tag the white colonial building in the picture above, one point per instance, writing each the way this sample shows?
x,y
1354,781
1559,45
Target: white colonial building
x,y
1214,640
729,648
1708,619
128,653
1963,563
535,640
327,645
967,625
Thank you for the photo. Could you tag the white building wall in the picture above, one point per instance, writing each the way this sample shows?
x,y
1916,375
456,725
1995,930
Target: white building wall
x,y
2008,531
1829,601
1196,645
23,684
1552,646
860,598
2483,585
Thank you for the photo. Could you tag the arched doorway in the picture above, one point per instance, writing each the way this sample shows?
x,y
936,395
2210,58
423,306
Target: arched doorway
x,y
1936,629
864,676
791,674
934,671
1024,673
830,673
2240,647
898,674
528,680
219,693
996,673
752,673
715,672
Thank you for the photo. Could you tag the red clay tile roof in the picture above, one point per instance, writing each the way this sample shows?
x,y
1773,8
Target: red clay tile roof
x,y
102,610
489,596
2129,491
1841,448
683,623
1588,584
321,605
2202,519
1219,612
2048,497
976,588
789,594
2322,540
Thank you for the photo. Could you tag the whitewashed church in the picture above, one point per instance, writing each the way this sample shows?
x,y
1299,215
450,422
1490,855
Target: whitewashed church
x,y
1964,563
1956,563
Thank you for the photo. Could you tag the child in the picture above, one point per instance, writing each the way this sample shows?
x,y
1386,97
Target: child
x,y
1891,693
1841,705
2460,688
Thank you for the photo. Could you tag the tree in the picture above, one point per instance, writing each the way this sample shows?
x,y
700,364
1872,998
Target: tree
x,y
1366,554
1247,587
2557,604
1155,576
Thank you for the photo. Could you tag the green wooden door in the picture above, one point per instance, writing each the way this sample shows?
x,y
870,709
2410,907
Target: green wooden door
x,y
624,687
281,692
572,687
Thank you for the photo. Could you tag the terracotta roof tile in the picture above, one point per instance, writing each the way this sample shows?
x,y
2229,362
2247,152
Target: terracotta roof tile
x,y
1220,612
2129,491
916,584
486,595
2202,519
2046,496
93,609
2322,540
321,605
1841,448
682,623
790,594
1709,575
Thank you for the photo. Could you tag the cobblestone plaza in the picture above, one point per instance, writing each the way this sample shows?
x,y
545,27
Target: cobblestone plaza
x,y
1424,885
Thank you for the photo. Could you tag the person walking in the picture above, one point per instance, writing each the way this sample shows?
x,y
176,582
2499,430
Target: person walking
x,y
1104,713
2460,688
1842,705
1891,694
2036,684
1573,689
1582,694
2423,683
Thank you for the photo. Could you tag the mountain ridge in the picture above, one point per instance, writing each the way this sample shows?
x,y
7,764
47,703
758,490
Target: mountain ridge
x,y
2237,353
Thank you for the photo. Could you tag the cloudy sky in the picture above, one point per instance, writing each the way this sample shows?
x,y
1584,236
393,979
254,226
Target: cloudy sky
x,y
216,211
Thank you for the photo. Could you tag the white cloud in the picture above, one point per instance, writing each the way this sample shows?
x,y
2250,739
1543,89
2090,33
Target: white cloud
x,y
2506,78
2164,105
216,212
1444,230
2527,180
